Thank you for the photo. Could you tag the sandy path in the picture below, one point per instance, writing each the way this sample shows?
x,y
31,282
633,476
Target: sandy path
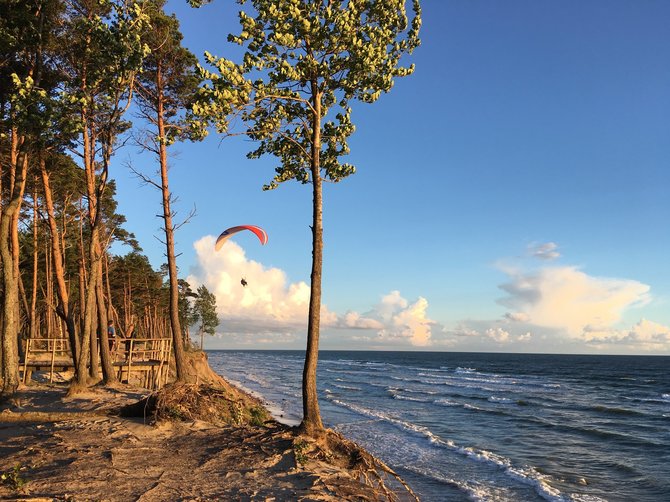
x,y
112,458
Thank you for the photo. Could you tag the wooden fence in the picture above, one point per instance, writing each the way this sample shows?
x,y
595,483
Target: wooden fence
x,y
145,362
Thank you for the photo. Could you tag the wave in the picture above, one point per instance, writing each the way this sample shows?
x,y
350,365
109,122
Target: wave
x,y
474,491
257,379
527,475
616,411
446,402
347,387
408,398
465,370
503,400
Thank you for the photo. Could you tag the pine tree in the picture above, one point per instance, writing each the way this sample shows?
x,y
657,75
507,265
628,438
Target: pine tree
x,y
305,62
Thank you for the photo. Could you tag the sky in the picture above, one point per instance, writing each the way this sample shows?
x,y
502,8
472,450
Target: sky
x,y
510,196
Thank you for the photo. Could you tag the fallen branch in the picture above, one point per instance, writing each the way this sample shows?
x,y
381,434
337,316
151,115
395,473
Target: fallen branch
x,y
8,416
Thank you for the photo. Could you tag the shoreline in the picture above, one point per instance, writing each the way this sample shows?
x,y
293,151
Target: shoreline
x,y
92,453
272,408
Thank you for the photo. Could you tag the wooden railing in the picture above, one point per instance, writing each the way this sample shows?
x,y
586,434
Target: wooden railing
x,y
47,353
150,358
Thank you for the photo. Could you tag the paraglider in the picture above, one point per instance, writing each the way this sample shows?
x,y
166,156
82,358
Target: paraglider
x,y
243,282
260,233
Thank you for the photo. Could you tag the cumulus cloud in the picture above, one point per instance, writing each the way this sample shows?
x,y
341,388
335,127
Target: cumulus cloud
x,y
269,303
274,309
354,320
645,334
498,334
396,320
546,251
567,298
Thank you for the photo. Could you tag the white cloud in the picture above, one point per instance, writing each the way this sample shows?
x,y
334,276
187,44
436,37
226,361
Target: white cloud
x,y
354,320
395,320
546,251
273,309
517,316
269,303
525,337
569,299
498,334
645,334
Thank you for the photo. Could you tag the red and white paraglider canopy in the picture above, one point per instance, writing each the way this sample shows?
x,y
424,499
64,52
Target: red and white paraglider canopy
x,y
227,234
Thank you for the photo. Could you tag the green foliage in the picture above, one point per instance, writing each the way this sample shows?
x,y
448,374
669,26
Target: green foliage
x,y
304,62
258,416
187,313
169,71
12,478
204,308
300,451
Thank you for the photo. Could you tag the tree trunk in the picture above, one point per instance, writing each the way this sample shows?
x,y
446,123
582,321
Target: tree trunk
x,y
311,422
89,307
180,361
33,298
108,374
10,330
63,310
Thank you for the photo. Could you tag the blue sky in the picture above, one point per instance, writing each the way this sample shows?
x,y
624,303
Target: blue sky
x,y
511,195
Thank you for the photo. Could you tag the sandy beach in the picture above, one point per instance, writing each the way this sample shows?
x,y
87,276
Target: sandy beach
x,y
59,447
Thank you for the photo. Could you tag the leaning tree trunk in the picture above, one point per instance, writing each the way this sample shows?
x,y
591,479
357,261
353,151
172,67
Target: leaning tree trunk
x,y
63,310
311,422
180,358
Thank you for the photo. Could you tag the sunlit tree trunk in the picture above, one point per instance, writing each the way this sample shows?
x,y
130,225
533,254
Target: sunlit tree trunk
x,y
175,324
108,374
57,265
33,298
311,422
10,329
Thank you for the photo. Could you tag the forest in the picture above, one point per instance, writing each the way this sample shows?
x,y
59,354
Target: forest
x,y
74,75
80,79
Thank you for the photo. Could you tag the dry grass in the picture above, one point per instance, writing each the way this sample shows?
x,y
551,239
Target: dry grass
x,y
188,402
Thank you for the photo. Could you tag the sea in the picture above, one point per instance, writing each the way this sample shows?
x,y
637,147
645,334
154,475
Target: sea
x,y
487,427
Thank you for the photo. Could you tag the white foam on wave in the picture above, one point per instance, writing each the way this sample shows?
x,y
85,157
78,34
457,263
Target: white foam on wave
x,y
257,379
409,398
410,391
474,491
275,409
583,497
527,475
346,387
503,400
446,402
465,370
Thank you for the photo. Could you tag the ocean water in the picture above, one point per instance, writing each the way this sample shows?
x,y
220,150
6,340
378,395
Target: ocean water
x,y
503,427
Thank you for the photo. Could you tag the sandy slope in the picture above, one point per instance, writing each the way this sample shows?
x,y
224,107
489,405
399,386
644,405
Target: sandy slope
x,y
96,456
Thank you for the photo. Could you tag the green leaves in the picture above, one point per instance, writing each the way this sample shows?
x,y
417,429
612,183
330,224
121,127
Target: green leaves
x,y
204,307
304,62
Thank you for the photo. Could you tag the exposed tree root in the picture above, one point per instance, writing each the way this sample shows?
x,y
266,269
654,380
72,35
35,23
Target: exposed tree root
x,y
335,448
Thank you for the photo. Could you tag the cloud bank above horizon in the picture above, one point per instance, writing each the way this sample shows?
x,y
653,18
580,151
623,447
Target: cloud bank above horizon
x,y
271,309
548,306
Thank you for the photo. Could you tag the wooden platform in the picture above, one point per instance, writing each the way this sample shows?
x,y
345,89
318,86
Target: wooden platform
x,y
144,362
